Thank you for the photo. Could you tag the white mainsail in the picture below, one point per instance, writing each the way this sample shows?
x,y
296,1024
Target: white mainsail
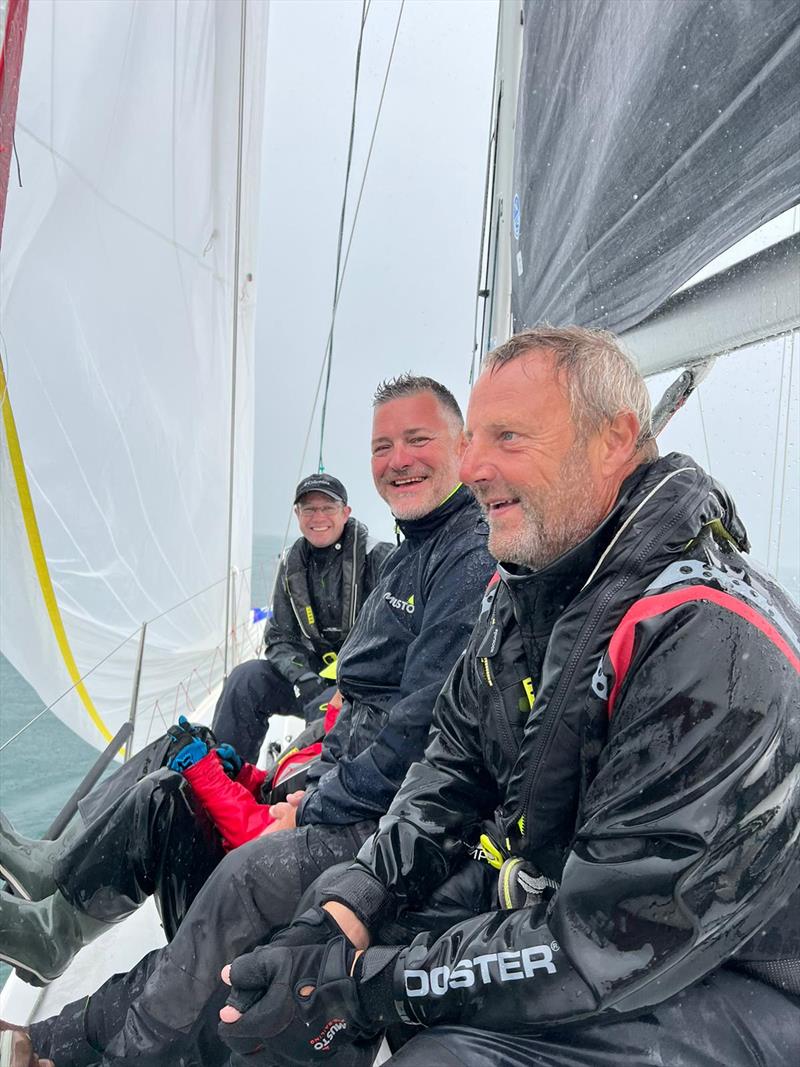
x,y
116,322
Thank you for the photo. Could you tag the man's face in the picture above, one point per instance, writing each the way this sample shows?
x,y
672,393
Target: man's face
x,y
540,486
415,453
321,519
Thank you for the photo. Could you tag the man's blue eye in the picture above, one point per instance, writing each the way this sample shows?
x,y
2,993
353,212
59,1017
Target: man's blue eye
x,y
507,435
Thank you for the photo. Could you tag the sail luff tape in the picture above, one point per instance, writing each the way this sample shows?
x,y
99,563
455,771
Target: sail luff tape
x,y
39,559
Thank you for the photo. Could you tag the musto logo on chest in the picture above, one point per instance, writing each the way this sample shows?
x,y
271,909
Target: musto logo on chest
x,y
492,967
401,605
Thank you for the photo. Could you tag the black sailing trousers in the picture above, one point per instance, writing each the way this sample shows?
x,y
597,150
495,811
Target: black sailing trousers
x,y
151,839
164,1012
253,691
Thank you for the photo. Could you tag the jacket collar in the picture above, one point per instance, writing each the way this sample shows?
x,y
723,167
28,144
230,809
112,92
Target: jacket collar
x,y
649,494
423,528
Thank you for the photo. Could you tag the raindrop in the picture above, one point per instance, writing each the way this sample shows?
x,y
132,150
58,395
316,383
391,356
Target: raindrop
x,y
635,196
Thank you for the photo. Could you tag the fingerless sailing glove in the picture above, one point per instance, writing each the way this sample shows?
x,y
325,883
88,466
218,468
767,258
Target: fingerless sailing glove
x,y
339,1009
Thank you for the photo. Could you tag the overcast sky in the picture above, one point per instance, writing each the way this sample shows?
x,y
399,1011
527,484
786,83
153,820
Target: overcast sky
x,y
409,293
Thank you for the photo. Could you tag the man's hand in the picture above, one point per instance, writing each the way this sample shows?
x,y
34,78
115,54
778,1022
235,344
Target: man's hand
x,y
285,813
349,923
302,995
308,687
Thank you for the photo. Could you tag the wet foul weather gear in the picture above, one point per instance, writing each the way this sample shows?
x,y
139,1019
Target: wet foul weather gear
x,y
627,722
168,1004
317,597
407,638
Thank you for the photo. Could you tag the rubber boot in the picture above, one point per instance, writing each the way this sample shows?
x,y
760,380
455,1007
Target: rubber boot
x,y
27,864
40,938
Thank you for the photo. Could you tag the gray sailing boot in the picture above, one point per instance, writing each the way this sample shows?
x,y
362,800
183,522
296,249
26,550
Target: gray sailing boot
x,y
41,937
27,864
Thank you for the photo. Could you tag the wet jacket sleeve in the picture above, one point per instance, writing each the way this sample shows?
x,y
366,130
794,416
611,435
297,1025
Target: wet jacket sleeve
x,y
685,846
234,810
438,807
284,646
363,787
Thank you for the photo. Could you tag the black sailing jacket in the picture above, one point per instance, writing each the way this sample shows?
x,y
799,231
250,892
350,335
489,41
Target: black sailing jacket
x,y
318,594
656,775
408,636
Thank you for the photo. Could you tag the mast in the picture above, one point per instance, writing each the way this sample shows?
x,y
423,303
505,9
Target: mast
x,y
235,324
497,280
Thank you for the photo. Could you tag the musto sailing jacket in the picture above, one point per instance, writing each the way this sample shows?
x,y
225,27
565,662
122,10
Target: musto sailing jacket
x,y
317,596
404,644
628,722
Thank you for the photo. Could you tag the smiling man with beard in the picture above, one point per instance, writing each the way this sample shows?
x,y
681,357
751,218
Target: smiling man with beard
x,y
596,861
406,640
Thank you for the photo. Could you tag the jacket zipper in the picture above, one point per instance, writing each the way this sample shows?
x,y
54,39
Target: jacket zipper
x,y
565,680
497,700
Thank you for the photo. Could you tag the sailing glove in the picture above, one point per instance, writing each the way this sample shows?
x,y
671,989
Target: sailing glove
x,y
230,759
187,753
309,686
305,996
184,729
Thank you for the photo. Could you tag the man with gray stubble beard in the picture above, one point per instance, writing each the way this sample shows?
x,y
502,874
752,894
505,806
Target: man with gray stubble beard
x,y
596,861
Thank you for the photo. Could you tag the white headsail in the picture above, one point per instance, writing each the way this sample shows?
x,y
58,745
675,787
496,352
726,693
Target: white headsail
x,y
116,313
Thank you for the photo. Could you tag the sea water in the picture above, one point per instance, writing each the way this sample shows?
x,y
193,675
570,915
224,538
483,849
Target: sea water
x,y
41,768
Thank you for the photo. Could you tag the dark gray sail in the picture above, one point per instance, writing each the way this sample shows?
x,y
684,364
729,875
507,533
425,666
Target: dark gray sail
x,y
650,137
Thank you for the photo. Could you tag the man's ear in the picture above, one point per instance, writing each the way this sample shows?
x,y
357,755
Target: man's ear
x,y
620,438
348,511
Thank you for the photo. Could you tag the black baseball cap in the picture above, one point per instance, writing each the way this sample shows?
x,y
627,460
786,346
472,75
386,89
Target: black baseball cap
x,y
322,483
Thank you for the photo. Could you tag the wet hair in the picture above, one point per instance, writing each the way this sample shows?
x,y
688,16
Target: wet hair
x,y
601,380
411,384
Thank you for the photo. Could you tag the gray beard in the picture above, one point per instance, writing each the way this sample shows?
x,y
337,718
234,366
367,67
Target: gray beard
x,y
556,520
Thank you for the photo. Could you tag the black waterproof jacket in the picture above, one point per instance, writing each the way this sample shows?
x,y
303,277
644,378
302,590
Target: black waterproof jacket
x,y
629,722
318,594
406,640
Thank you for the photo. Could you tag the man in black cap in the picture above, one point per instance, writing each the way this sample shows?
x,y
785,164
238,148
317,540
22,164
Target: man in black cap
x,y
322,581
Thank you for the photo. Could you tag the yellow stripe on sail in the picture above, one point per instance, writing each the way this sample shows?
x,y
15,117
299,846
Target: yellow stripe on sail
x,y
39,560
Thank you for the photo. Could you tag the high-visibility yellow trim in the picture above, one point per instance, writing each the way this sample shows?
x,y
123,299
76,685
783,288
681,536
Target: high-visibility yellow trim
x,y
492,854
329,670
527,685
310,614
508,869
39,559
451,493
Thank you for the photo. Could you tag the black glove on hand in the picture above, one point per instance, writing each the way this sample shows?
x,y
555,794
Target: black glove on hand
x,y
183,733
313,927
268,989
309,686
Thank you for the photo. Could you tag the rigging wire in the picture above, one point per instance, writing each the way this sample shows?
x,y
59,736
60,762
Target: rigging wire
x,y
772,500
705,432
785,451
340,237
346,259
235,319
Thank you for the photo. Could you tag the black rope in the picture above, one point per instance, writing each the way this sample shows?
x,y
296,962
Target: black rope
x,y
16,157
329,353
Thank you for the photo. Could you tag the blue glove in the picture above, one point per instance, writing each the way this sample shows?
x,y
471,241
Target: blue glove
x,y
230,759
191,751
